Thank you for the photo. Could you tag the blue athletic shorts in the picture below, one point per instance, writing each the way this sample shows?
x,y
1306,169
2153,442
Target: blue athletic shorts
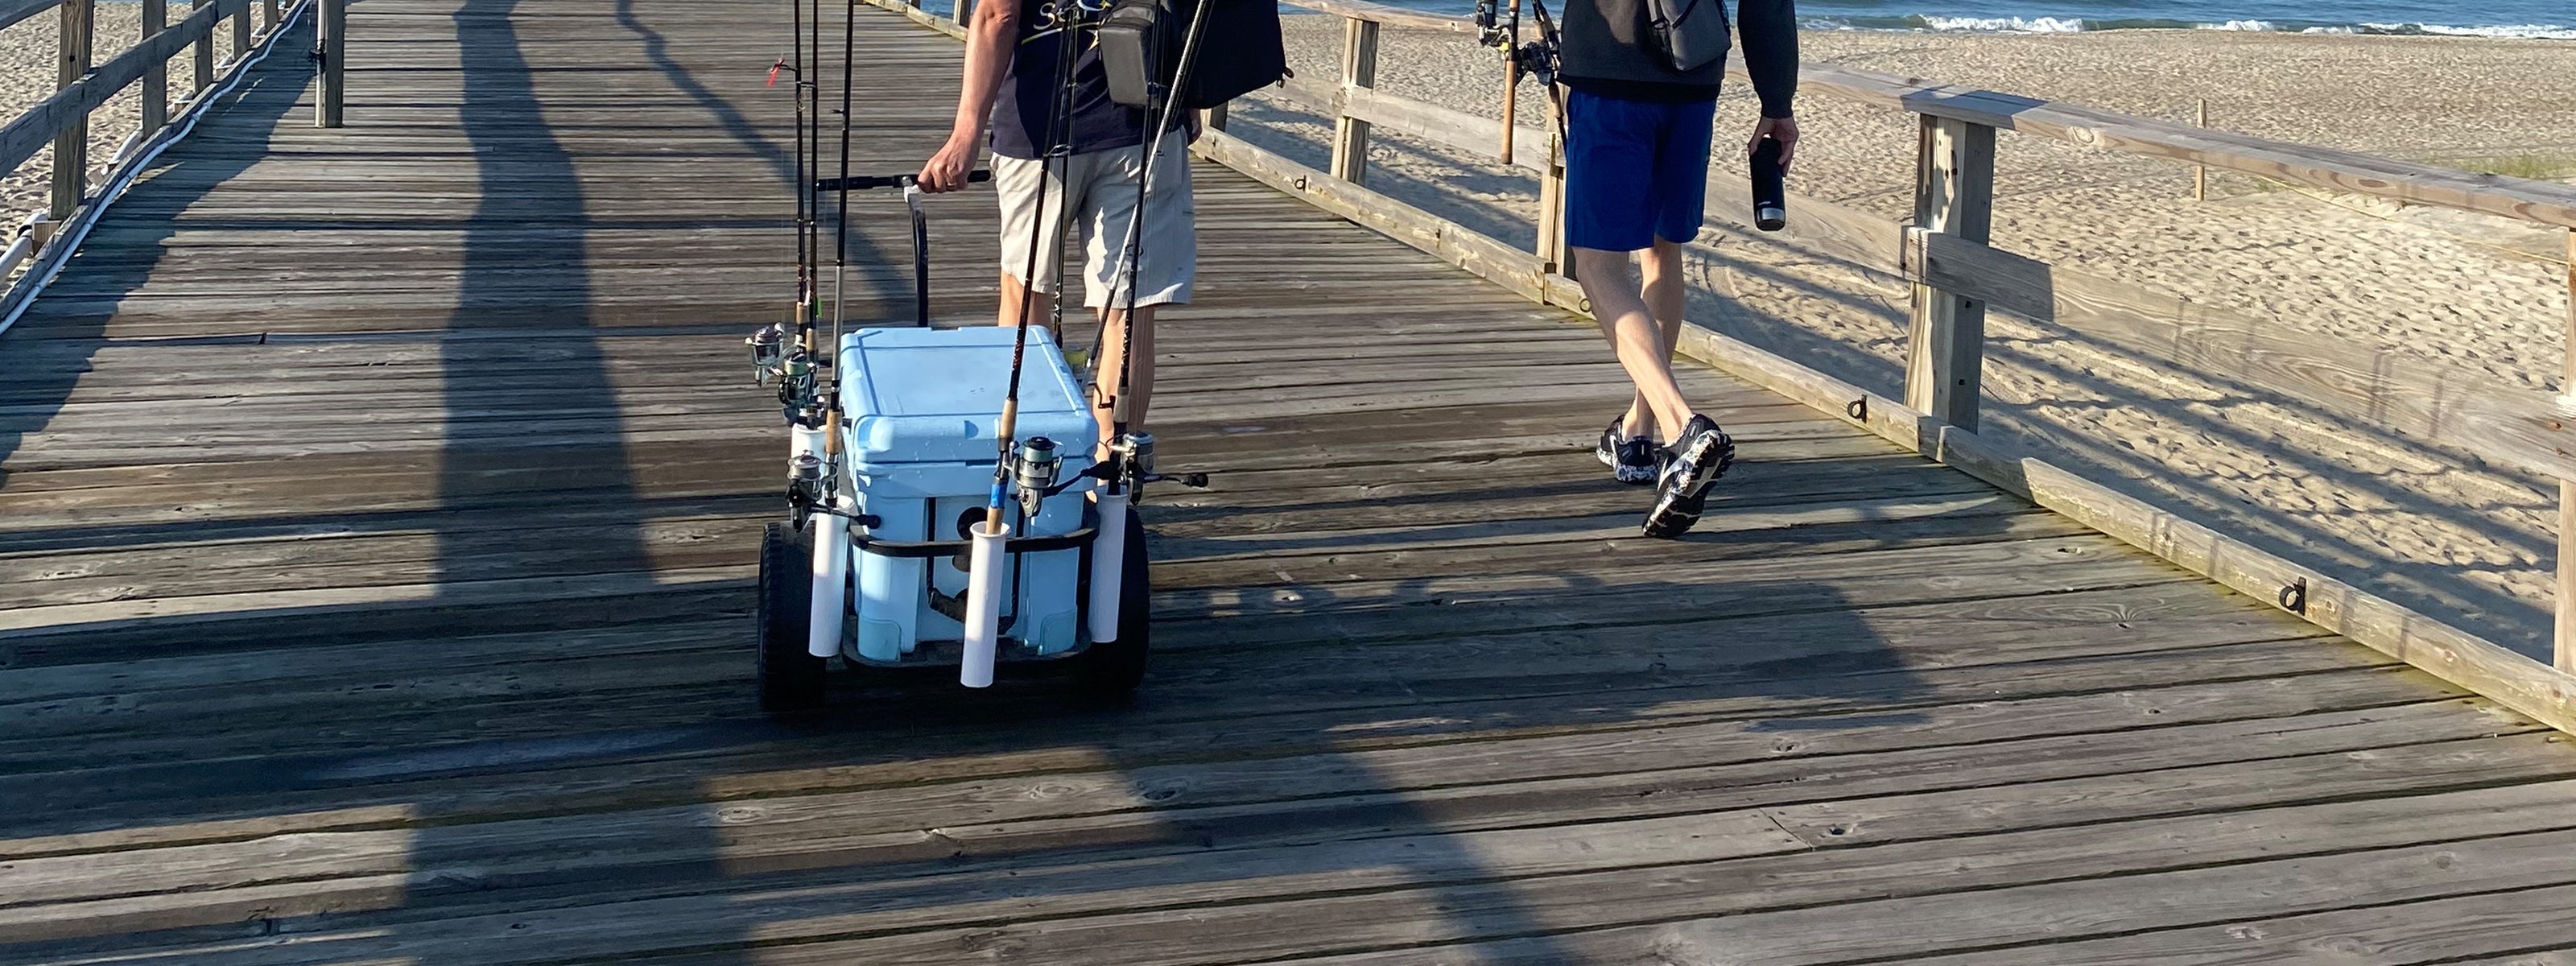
x,y
1635,171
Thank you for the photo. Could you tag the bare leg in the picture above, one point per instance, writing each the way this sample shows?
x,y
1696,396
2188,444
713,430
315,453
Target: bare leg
x,y
1643,349
1140,384
1662,268
1041,305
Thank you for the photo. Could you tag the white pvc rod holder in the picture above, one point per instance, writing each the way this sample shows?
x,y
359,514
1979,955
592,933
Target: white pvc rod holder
x,y
1108,566
831,585
985,562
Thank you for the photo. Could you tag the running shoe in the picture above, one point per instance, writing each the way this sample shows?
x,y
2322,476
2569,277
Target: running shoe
x,y
1630,458
1690,467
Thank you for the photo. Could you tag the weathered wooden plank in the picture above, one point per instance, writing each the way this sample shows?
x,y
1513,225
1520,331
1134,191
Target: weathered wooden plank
x,y
1365,920
1311,718
782,829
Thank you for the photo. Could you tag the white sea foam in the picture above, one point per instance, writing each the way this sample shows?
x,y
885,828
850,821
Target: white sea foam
x,y
2024,25
2061,25
2514,31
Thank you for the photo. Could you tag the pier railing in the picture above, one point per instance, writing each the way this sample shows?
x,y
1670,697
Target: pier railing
x,y
1955,274
84,85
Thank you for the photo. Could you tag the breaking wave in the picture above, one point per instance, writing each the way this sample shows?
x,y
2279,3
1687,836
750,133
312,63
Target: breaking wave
x,y
2065,25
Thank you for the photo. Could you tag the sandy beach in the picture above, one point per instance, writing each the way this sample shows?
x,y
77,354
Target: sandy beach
x,y
2426,526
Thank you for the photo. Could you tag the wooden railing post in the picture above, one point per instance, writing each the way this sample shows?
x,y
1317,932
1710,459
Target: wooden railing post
x,y
241,34
71,147
1359,70
1953,195
156,78
269,16
2564,653
205,60
1551,201
330,34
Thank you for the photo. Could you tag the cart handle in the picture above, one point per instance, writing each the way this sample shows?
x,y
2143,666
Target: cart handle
x,y
863,182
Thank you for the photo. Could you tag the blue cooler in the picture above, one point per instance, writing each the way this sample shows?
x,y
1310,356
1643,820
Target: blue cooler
x,y
919,407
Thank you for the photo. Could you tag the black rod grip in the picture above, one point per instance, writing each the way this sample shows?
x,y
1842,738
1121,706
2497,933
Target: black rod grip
x,y
863,182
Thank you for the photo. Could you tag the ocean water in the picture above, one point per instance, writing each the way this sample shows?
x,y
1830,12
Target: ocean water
x,y
2531,19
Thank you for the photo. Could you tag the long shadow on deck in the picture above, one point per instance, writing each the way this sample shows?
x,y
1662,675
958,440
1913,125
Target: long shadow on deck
x,y
525,249
1239,765
46,352
1339,750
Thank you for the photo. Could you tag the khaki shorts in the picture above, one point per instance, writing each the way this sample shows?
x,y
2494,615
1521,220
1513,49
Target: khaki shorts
x,y
1100,203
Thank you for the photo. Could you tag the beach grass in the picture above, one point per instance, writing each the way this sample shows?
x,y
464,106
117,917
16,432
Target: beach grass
x,y
2538,167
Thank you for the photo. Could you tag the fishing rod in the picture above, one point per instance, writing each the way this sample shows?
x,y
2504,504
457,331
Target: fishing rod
x,y
1059,134
840,238
1132,456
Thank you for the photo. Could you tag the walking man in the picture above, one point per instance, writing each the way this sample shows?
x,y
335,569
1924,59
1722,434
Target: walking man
x,y
1636,170
1065,155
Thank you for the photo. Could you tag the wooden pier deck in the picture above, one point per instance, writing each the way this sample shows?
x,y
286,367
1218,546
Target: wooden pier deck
x,y
377,521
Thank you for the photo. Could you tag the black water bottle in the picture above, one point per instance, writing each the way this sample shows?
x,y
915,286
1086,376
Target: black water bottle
x,y
1770,197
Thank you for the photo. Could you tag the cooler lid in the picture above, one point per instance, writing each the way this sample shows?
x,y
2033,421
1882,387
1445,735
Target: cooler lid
x,y
915,395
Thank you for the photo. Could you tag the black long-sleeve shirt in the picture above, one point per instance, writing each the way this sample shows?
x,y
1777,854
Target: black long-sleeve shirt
x,y
1606,52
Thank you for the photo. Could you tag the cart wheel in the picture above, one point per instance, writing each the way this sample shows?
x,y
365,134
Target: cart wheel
x,y
1116,668
790,678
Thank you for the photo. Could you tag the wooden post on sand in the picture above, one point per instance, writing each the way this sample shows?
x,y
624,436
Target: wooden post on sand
x,y
1359,71
205,58
2200,172
1511,89
2564,653
1953,195
156,78
71,147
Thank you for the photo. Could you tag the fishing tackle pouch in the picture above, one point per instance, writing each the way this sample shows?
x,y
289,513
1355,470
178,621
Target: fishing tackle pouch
x,y
1690,34
1131,38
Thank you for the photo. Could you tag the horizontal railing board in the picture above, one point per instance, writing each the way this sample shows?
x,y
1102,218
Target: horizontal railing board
x,y
23,137
1391,16
2333,170
2464,410
14,11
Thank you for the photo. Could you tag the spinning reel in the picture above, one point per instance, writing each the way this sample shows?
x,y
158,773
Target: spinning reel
x,y
1500,28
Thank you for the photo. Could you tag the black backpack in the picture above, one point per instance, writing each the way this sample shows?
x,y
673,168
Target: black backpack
x,y
1240,49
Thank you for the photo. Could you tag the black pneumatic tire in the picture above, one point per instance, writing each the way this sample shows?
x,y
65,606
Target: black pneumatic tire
x,y
1115,669
790,678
